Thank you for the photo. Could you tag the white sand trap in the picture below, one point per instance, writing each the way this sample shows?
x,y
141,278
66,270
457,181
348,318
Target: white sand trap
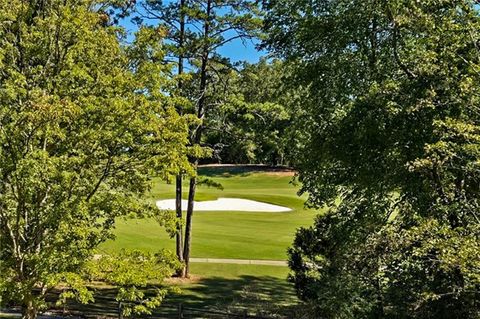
x,y
226,204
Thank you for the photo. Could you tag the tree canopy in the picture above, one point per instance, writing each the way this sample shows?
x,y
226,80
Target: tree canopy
x,y
392,112
84,125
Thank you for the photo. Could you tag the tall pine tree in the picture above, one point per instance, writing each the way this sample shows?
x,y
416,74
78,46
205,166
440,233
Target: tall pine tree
x,y
197,30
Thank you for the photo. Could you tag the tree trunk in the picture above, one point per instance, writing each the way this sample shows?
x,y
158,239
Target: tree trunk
x,y
188,227
179,236
178,188
197,136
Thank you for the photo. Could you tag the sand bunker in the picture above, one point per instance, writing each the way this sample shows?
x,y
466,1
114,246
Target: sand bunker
x,y
226,204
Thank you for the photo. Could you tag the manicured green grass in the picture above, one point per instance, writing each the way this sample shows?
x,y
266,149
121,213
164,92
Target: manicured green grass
x,y
243,235
232,271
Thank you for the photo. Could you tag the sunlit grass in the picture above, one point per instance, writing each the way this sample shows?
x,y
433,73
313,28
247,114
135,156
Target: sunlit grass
x,y
244,235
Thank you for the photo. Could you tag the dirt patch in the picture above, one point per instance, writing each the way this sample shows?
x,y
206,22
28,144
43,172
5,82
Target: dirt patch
x,y
183,281
281,173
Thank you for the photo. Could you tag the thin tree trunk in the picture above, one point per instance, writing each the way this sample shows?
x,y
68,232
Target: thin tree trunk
x,y
196,137
178,207
178,187
188,228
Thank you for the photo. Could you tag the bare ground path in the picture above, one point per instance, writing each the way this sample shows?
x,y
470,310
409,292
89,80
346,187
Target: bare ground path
x,y
282,263
240,261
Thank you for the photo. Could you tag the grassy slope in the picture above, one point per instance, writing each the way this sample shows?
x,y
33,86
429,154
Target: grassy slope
x,y
243,235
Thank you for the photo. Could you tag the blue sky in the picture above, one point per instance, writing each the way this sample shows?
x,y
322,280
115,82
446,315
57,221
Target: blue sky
x,y
236,50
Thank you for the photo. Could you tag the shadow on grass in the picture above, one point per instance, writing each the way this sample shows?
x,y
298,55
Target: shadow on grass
x,y
214,297
258,295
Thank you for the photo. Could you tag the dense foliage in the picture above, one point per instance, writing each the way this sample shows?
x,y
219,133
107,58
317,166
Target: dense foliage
x,y
84,125
132,272
393,114
255,121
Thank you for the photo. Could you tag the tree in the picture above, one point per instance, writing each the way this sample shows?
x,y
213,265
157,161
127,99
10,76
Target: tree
x,y
256,121
208,26
173,18
393,148
84,125
131,272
